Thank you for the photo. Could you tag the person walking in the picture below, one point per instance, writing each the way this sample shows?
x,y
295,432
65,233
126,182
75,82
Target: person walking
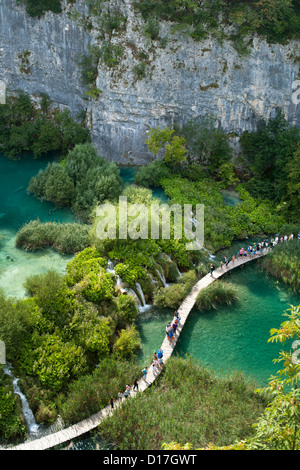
x,y
135,384
144,371
212,268
111,402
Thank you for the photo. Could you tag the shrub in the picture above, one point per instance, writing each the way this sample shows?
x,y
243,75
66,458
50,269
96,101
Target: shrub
x,y
11,426
127,343
88,260
65,238
96,287
54,185
53,361
215,294
149,176
91,392
127,310
25,128
170,296
39,7
284,263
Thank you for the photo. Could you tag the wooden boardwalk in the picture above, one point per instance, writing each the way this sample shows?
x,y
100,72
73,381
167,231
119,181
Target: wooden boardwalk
x,y
72,432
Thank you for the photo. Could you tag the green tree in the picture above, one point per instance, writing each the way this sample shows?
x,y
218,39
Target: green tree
x,y
172,146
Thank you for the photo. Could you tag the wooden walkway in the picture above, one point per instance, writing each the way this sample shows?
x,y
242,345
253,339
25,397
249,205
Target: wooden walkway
x,y
83,427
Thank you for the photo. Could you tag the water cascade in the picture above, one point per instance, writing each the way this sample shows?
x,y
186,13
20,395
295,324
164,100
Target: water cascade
x,y
143,306
32,426
161,276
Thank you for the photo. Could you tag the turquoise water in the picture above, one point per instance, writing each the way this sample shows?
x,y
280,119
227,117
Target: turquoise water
x,y
127,174
230,338
17,208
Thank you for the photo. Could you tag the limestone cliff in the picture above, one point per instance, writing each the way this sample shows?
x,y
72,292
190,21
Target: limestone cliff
x,y
181,79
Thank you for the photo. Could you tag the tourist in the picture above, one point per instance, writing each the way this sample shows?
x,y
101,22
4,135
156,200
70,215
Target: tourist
x,y
221,264
126,393
168,328
233,259
212,268
128,387
135,384
170,336
160,356
120,395
226,261
176,315
111,402
154,367
175,326
144,371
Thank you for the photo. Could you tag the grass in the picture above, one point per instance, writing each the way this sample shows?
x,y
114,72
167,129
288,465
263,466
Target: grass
x,y
217,293
65,238
284,263
188,404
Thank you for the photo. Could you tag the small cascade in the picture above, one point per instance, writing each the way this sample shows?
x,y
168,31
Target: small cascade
x,y
143,306
119,284
32,426
168,258
162,276
110,269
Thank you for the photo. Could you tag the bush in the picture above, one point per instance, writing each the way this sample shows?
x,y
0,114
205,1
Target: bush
x,y
217,293
11,426
54,185
91,392
149,176
53,361
24,128
127,310
39,7
13,325
88,260
127,343
65,238
96,287
81,181
284,263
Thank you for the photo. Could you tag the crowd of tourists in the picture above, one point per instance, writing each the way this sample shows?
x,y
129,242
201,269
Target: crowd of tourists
x,y
171,328
255,249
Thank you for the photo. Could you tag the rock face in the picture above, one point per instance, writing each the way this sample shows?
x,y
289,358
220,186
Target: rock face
x,y
180,79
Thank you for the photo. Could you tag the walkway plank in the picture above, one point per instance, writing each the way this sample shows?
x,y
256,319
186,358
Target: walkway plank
x,y
76,430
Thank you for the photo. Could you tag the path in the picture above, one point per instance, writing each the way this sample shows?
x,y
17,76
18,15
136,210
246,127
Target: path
x,y
93,421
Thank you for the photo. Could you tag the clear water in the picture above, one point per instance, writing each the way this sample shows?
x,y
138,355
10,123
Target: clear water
x,y
17,208
230,198
229,338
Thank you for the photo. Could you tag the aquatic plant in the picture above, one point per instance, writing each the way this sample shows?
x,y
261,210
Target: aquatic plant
x,y
217,293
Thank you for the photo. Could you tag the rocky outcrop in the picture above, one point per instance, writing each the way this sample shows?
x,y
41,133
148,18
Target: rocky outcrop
x,y
180,79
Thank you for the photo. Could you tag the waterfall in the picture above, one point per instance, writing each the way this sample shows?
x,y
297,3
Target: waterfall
x,y
168,258
143,305
33,427
110,269
162,277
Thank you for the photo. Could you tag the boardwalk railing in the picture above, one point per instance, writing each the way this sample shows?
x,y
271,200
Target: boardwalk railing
x,y
83,427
